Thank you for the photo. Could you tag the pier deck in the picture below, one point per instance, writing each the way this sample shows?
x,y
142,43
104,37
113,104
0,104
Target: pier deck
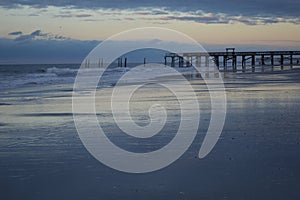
x,y
230,59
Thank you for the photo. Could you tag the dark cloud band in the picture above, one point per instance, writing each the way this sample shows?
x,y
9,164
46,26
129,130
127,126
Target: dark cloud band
x,y
277,8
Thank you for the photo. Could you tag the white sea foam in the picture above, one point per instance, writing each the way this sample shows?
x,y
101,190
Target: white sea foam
x,y
61,71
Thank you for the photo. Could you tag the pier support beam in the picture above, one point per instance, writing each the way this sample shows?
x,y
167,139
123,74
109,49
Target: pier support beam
x,y
244,63
234,63
206,61
120,63
216,59
181,61
281,61
225,62
253,63
272,59
190,61
291,60
172,61
262,60
198,61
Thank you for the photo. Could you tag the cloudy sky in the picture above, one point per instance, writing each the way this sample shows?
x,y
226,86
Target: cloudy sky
x,y
35,31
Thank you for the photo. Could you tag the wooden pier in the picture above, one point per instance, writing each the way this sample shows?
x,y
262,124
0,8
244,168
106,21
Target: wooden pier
x,y
230,60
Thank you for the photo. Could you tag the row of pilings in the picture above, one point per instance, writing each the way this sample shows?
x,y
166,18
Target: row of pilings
x,y
231,60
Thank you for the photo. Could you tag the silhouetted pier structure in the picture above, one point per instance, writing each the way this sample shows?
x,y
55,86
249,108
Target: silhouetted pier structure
x,y
232,60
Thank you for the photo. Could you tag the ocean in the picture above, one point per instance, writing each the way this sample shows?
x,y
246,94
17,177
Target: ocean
x,y
42,156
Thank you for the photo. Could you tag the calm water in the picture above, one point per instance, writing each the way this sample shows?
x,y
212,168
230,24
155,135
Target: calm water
x,y
42,157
